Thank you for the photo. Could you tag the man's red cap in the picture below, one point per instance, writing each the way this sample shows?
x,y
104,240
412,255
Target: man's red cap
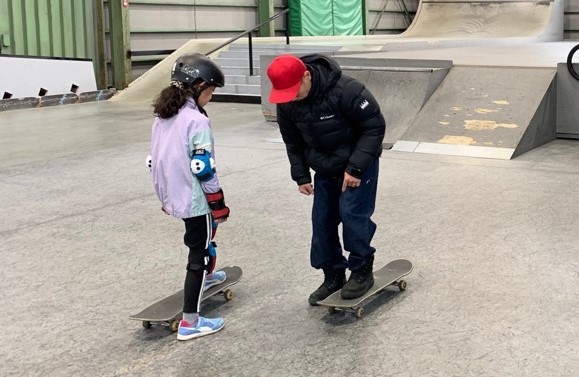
x,y
285,74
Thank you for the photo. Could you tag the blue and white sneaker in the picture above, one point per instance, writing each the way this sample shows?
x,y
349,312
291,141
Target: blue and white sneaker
x,y
204,326
213,279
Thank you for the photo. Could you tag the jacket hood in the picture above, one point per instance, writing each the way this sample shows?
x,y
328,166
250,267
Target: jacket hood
x,y
325,73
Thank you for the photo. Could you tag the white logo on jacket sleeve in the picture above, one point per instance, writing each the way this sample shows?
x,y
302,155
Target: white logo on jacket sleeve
x,y
364,104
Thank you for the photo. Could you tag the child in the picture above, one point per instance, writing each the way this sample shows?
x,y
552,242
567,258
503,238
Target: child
x,y
182,169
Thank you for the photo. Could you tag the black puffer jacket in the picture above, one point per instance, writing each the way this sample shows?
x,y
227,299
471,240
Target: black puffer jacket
x,y
337,128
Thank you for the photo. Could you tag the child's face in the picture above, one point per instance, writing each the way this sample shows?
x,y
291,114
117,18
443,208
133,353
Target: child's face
x,y
205,96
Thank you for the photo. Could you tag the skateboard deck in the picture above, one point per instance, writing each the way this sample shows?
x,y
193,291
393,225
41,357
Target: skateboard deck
x,y
170,309
384,277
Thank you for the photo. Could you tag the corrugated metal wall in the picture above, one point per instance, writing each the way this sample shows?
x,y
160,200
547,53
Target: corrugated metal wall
x,y
52,28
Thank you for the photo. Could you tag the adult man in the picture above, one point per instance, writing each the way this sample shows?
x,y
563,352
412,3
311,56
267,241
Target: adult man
x,y
332,124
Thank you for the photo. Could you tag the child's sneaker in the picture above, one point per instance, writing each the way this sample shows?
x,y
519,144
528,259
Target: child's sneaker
x,y
204,326
214,279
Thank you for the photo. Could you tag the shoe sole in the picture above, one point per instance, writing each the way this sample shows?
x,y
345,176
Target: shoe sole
x,y
198,335
313,302
206,287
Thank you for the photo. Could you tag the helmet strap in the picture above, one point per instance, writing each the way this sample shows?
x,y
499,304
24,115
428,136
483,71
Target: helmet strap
x,y
198,90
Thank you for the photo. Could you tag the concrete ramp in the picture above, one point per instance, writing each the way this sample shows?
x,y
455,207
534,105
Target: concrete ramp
x,y
148,85
540,20
401,87
486,112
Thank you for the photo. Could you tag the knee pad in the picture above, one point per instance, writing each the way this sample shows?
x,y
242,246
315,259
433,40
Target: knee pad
x,y
207,261
197,262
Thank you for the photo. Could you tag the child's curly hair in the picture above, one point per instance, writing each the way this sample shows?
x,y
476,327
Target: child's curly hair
x,y
171,99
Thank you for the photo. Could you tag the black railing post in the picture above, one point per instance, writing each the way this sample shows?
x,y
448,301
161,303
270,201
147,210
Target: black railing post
x,y
250,54
287,27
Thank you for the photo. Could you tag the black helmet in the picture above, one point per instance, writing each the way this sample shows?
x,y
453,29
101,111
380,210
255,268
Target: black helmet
x,y
192,68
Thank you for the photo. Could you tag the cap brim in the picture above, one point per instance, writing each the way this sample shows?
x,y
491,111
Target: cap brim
x,y
285,95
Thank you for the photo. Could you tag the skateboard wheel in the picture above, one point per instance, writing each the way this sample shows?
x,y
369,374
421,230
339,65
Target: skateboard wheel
x,y
402,285
359,312
174,325
147,324
228,294
331,310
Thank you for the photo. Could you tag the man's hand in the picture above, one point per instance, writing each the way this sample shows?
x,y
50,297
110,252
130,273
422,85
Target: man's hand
x,y
350,181
306,189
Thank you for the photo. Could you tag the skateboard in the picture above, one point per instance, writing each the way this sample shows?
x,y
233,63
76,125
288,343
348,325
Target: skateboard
x,y
170,309
384,277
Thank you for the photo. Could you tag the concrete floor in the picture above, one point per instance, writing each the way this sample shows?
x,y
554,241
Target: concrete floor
x,y
83,245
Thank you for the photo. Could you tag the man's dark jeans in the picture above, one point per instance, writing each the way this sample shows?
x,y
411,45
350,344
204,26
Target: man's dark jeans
x,y
353,208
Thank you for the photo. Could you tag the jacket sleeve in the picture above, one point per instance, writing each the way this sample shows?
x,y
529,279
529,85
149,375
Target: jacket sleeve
x,y
202,139
295,147
363,112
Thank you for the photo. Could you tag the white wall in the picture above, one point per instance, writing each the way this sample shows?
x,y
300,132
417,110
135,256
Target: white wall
x,y
24,77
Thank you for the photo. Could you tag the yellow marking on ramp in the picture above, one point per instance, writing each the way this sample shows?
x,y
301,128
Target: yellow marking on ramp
x,y
461,140
444,123
486,125
484,111
501,102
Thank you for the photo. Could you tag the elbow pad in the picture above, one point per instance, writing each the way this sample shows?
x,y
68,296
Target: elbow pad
x,y
149,162
202,165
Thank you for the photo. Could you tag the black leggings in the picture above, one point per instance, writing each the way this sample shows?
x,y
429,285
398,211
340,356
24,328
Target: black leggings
x,y
197,237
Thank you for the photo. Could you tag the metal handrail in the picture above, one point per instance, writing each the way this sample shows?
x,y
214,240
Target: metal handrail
x,y
246,32
250,42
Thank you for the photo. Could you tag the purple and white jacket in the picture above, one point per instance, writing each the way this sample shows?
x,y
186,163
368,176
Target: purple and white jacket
x,y
172,142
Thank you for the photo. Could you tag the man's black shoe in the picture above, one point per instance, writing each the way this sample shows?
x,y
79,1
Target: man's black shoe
x,y
334,280
360,281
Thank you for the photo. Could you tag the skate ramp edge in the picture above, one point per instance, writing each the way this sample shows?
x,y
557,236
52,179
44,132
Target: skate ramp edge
x,y
486,112
539,20
146,87
401,87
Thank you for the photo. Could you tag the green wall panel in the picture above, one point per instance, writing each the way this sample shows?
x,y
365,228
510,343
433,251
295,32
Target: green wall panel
x,y
348,19
326,17
51,28
295,7
317,17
